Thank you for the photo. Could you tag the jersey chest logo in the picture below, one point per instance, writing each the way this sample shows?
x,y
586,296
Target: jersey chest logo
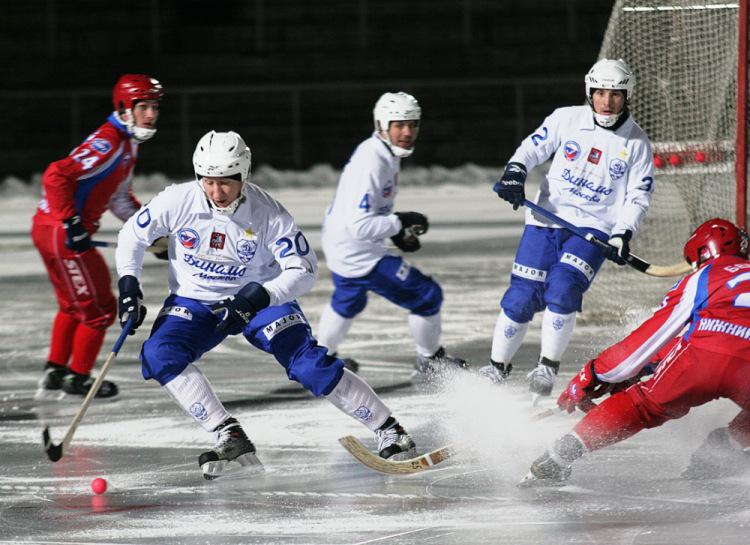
x,y
572,150
217,240
246,249
189,239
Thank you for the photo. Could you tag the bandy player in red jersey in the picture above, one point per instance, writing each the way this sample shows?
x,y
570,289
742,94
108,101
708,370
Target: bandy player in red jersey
x,y
706,318
96,176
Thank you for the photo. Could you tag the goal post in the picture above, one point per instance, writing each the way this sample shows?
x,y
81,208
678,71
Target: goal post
x,y
689,58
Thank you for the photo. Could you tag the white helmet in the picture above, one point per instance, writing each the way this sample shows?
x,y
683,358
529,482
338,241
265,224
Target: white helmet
x,y
609,74
223,155
395,107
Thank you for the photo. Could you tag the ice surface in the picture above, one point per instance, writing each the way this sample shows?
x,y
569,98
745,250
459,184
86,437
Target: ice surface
x,y
313,491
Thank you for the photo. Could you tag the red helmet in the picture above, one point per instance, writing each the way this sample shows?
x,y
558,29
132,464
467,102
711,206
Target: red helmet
x,y
134,87
714,238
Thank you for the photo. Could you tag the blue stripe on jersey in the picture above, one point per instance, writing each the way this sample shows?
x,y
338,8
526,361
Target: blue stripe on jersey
x,y
86,186
700,301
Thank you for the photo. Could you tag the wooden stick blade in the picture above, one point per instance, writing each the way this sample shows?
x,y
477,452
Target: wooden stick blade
x,y
54,452
678,269
404,467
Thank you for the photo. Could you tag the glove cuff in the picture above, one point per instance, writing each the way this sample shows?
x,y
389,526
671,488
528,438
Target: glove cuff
x,y
129,284
72,221
256,295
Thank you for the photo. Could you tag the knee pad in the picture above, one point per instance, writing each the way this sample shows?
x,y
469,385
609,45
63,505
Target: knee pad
x,y
305,361
522,299
163,361
431,299
348,305
564,290
315,370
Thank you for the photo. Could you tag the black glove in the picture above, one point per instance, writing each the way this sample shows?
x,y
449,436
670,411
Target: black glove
x,y
510,186
164,255
413,224
130,302
78,238
241,308
619,247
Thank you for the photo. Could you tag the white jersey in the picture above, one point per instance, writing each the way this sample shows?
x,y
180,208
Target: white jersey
x,y
360,218
598,178
213,255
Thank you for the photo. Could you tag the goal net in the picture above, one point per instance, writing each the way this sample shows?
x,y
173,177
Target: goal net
x,y
684,57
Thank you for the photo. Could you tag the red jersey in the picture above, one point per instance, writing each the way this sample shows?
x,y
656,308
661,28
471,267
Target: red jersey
x,y
96,175
711,302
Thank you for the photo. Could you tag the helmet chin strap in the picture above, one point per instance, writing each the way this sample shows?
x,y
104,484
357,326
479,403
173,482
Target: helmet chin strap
x,y
140,134
227,210
606,121
395,150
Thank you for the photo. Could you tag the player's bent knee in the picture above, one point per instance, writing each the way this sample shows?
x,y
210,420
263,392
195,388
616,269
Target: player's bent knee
x,y
432,300
316,371
162,362
522,300
564,296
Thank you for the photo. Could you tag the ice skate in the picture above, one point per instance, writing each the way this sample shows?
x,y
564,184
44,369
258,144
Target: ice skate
x,y
545,471
717,457
496,372
394,444
232,453
543,378
437,363
50,385
77,385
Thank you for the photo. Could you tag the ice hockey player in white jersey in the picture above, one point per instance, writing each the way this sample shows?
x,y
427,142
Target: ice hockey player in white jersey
x,y
356,227
237,262
600,178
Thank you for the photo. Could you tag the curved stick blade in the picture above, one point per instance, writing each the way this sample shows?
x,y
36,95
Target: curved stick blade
x,y
54,452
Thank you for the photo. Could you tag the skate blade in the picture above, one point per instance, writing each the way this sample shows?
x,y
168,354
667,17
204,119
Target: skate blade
x,y
247,464
532,481
401,456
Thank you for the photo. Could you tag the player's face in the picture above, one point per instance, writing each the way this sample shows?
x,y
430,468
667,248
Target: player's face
x,y
608,101
403,133
145,113
221,191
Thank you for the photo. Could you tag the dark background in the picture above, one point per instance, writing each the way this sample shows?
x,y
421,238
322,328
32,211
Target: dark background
x,y
297,79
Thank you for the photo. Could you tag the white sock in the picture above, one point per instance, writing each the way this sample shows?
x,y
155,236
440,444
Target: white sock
x,y
192,391
426,333
332,328
353,396
507,338
557,329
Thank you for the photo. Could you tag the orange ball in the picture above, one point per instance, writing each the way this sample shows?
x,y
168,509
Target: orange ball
x,y
99,485
674,160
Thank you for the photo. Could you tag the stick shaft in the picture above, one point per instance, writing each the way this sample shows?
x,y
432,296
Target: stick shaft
x,y
634,261
95,387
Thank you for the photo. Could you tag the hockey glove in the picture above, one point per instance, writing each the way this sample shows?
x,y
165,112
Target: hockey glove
x,y
77,238
163,255
619,247
511,186
581,390
413,224
241,308
130,302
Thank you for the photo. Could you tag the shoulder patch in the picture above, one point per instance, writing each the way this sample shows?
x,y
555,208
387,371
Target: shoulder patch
x,y
100,145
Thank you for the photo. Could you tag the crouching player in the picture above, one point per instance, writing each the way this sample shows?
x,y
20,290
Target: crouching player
x,y
708,360
237,262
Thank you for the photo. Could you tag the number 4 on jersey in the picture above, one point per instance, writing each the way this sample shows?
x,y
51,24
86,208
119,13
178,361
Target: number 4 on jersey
x,y
364,204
